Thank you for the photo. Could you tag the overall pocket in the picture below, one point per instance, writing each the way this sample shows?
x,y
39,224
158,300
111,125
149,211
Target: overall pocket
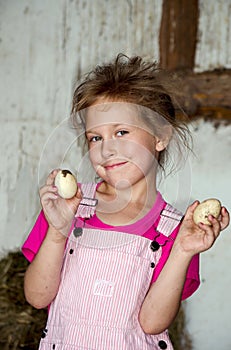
x,y
104,287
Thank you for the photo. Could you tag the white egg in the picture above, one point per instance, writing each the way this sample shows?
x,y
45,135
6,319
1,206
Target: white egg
x,y
66,184
208,207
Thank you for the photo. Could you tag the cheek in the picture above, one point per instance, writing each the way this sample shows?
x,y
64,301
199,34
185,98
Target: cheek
x,y
94,154
141,155
133,150
128,148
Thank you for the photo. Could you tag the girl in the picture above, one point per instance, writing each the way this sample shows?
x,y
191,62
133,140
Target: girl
x,y
114,262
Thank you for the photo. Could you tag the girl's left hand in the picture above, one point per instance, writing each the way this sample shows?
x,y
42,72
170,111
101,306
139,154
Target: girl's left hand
x,y
193,238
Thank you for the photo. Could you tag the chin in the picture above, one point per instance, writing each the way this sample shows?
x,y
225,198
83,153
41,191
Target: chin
x,y
123,184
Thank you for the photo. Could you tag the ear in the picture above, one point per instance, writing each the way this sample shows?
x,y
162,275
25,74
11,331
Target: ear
x,y
163,140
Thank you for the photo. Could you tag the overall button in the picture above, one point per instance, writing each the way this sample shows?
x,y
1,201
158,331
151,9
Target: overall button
x,y
78,231
154,246
152,265
44,333
162,344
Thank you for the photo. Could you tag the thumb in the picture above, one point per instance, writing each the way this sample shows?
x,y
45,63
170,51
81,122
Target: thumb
x,y
73,202
77,197
190,210
79,194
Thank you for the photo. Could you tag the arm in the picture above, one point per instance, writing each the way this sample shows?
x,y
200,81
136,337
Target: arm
x,y
162,302
42,277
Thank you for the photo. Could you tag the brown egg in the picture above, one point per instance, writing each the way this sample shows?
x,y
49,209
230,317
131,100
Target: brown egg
x,y
210,206
66,184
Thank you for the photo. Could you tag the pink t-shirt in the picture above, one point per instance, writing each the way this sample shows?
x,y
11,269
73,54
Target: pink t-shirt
x,y
144,227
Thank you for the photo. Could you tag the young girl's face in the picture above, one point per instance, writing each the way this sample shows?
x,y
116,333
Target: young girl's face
x,y
122,149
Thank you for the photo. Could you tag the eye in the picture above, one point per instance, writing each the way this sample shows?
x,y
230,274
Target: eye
x,y
121,132
95,138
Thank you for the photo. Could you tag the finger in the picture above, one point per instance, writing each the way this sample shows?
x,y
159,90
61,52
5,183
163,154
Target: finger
x,y
210,235
190,210
46,188
76,199
51,177
216,226
48,196
212,230
225,218
79,193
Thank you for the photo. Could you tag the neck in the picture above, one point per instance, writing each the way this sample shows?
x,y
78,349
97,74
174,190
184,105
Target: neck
x,y
143,194
124,206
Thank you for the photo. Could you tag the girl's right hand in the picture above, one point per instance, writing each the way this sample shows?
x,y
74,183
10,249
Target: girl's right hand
x,y
59,212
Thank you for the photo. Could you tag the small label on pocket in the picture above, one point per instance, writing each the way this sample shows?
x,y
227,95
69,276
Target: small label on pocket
x,y
103,288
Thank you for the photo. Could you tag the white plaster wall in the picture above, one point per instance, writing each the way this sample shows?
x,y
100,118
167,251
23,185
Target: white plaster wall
x,y
206,175
44,47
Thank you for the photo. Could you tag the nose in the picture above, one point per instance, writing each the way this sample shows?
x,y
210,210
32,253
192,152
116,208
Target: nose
x,y
108,148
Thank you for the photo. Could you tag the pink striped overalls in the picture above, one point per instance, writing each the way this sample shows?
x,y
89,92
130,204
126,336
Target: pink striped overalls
x,y
105,278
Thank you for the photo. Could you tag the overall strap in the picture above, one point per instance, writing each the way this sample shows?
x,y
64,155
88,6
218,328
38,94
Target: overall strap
x,y
87,205
169,220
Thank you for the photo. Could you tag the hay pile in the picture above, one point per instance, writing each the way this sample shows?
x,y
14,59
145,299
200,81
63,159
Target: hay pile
x,y
178,333
21,325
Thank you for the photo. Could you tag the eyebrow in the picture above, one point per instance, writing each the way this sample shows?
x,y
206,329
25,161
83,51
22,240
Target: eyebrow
x,y
92,131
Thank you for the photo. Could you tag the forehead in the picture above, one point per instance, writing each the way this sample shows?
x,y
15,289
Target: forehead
x,y
112,113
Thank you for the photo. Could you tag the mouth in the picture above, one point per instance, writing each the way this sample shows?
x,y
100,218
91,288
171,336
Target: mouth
x,y
114,165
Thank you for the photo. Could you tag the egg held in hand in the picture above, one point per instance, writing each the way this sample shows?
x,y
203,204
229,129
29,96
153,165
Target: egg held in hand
x,y
66,184
208,207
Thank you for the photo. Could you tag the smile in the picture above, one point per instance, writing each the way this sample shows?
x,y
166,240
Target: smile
x,y
115,165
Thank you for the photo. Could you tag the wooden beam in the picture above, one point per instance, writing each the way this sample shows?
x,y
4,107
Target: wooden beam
x,y
178,34
207,94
